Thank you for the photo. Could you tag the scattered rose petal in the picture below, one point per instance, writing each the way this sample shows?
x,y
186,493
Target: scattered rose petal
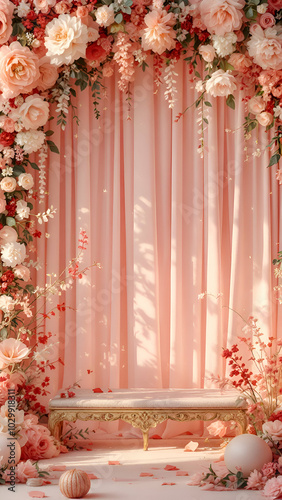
x,y
171,467
89,449
168,484
192,446
155,468
97,390
182,473
220,459
47,482
112,391
57,467
92,476
156,436
113,462
146,474
188,433
37,494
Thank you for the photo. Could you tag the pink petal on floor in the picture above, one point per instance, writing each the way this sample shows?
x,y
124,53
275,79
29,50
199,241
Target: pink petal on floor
x,y
182,473
57,467
171,467
114,462
146,474
37,494
220,459
168,484
155,468
192,446
92,476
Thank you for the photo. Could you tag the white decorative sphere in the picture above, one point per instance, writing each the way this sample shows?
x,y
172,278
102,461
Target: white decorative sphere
x,y
246,453
10,450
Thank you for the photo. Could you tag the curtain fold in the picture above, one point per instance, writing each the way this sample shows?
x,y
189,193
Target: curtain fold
x,y
166,226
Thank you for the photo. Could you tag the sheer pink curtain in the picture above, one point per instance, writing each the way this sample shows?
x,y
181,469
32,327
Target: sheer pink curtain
x,y
166,226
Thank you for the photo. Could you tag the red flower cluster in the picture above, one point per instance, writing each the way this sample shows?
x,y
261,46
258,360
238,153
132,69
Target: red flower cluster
x,y
238,368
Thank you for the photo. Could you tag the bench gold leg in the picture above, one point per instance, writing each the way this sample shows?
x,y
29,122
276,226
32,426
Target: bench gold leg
x,y
145,440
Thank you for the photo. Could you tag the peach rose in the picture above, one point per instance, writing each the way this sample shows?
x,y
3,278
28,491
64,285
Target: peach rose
x,y
267,20
8,184
256,105
48,74
7,235
265,119
217,429
26,181
19,70
2,201
62,8
240,62
222,16
159,34
108,70
9,125
43,5
82,11
221,83
207,52
34,112
26,470
12,351
6,14
22,272
273,429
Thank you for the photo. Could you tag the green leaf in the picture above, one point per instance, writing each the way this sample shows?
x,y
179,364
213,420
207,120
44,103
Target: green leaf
x,y
230,101
29,288
10,221
30,205
119,18
207,103
18,29
33,165
197,74
206,120
73,92
49,132
53,147
274,159
229,66
249,13
18,170
251,125
4,333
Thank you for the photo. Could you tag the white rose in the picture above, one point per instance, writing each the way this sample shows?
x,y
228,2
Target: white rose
x,y
66,39
31,141
23,210
207,52
265,118
22,272
8,235
262,8
25,181
6,303
8,184
13,253
224,45
105,16
34,113
256,105
221,83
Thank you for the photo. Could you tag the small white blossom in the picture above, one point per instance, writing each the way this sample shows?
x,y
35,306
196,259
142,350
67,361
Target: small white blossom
x,y
278,112
23,8
6,172
199,87
262,8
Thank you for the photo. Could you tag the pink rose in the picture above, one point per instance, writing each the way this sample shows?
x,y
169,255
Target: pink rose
x,y
275,4
222,16
265,46
34,112
221,83
217,429
48,74
267,20
273,429
12,351
26,470
9,125
273,488
108,70
62,8
19,70
8,235
6,14
43,5
256,105
22,272
240,62
207,52
82,11
265,119
39,443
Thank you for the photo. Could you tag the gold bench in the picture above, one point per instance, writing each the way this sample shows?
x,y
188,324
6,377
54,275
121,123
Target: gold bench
x,y
145,408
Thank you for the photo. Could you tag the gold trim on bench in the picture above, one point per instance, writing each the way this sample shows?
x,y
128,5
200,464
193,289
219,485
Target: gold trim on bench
x,y
143,419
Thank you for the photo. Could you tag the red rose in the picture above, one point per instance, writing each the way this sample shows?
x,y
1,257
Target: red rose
x,y
7,139
95,52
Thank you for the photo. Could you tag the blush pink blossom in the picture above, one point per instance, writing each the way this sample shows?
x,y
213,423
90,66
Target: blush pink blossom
x,y
18,68
268,470
159,34
240,62
222,16
6,14
267,20
48,74
36,440
9,125
12,351
217,429
26,470
273,488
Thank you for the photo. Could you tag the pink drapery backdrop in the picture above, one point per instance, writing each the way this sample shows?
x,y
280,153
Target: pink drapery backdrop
x,y
166,226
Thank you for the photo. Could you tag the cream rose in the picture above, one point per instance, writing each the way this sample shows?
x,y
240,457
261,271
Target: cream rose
x,y
22,272
221,83
34,113
18,69
7,235
265,119
256,105
25,181
273,429
8,184
66,39
6,303
207,52
23,210
31,141
222,16
48,74
12,351
105,16
13,253
6,14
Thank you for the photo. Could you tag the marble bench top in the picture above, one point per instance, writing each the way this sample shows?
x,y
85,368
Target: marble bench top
x,y
151,398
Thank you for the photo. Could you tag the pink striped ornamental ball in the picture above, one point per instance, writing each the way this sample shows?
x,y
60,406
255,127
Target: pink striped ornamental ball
x,y
74,483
